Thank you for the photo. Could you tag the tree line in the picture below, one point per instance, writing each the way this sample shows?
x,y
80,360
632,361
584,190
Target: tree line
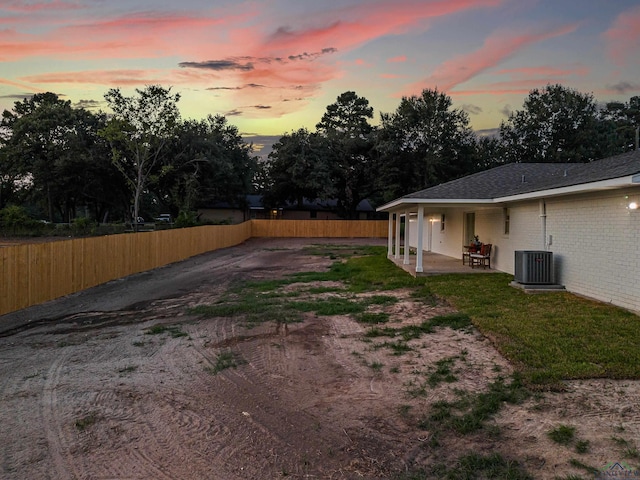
x,y
144,159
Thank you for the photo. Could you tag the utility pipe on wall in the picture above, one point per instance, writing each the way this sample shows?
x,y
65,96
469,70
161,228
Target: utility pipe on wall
x,y
543,223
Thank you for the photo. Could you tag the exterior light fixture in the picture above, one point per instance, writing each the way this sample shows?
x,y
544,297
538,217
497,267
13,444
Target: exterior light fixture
x,y
633,205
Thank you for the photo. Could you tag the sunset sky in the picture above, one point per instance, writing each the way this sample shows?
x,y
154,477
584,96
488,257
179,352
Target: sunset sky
x,y
272,66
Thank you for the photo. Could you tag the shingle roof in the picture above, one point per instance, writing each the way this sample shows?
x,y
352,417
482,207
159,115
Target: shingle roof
x,y
520,178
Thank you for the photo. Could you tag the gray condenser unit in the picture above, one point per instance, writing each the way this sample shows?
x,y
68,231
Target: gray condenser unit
x,y
534,267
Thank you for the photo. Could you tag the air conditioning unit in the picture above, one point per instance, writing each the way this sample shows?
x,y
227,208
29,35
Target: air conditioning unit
x,y
534,267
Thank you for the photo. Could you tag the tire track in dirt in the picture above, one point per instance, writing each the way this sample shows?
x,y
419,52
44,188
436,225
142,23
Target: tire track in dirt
x,y
265,390
52,422
11,391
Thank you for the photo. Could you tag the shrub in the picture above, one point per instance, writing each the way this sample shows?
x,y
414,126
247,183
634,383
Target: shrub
x,y
186,219
14,217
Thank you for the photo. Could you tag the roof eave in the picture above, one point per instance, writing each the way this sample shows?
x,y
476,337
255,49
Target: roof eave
x,y
397,204
619,182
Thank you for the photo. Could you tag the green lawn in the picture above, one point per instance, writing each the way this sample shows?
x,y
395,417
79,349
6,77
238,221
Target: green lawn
x,y
547,336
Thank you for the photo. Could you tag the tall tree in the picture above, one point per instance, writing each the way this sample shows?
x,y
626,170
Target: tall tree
x,y
53,151
424,142
345,126
619,122
297,168
139,131
210,162
556,124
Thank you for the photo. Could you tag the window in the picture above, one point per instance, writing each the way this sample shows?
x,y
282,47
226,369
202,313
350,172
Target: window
x,y
442,219
506,216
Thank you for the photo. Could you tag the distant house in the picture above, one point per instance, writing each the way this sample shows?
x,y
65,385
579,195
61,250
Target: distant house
x,y
255,209
586,214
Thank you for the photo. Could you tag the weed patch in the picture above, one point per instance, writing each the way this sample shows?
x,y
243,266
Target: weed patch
x,y
173,331
562,434
224,360
371,318
481,466
470,412
86,421
442,372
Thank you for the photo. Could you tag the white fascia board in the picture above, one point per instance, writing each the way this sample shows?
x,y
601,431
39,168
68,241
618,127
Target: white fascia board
x,y
572,189
440,202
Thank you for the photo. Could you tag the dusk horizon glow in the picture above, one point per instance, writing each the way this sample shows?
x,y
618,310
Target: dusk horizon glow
x,y
273,66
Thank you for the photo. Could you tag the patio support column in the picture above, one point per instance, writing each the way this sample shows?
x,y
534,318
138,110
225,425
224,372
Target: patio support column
x,y
420,238
407,222
398,219
390,236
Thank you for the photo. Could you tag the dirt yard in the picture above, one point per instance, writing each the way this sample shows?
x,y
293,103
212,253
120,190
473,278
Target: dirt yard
x,y
86,392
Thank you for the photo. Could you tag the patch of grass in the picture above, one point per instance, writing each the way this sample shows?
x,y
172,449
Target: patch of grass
x,y
254,308
474,466
582,446
548,336
381,300
455,321
562,434
224,360
412,332
173,331
376,366
328,306
319,290
86,421
336,251
424,294
621,442
442,372
138,343
398,348
371,318
587,468
631,452
469,413
369,272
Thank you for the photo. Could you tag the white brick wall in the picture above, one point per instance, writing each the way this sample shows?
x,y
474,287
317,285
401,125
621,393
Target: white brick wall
x,y
595,240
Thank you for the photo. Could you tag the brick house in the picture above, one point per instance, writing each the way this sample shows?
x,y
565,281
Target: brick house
x,y
587,214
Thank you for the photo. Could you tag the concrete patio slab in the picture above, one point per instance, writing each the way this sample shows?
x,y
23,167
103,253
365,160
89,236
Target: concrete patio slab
x,y
436,264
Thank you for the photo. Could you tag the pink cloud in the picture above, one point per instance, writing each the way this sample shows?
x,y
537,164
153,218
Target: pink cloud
x,y
362,23
292,63
18,6
496,49
398,59
4,81
544,71
623,38
143,35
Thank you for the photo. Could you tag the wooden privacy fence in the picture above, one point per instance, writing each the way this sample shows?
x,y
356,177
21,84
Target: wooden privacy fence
x,y
319,228
35,273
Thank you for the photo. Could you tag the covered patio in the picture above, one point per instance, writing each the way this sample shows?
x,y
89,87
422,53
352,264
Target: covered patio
x,y
436,264
419,260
